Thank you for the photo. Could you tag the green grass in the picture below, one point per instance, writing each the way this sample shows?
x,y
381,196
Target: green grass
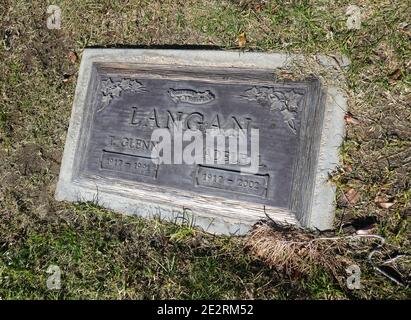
x,y
106,255
102,255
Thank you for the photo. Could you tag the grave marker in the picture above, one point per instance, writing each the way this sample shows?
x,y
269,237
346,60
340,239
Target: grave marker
x,y
125,97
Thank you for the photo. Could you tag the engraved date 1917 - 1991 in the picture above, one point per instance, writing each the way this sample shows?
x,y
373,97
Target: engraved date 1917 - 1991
x,y
129,164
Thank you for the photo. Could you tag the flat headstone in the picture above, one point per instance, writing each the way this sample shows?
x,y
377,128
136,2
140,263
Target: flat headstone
x,y
124,95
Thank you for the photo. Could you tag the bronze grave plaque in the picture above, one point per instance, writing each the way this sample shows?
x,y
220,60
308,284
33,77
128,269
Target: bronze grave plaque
x,y
116,158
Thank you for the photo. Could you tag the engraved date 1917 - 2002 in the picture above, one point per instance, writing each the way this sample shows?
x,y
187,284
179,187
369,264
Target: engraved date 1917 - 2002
x,y
228,180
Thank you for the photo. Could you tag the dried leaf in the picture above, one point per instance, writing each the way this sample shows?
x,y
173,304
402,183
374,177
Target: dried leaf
x,y
67,78
242,40
380,198
72,56
385,205
383,202
258,7
352,196
350,119
365,231
396,74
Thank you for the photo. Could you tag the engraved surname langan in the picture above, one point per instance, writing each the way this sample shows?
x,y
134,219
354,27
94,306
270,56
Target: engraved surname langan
x,y
192,121
135,165
228,180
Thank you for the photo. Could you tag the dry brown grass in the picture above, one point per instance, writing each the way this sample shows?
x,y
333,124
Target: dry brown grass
x,y
300,254
295,253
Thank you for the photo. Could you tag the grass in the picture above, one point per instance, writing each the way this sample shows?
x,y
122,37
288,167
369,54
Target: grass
x,y
105,255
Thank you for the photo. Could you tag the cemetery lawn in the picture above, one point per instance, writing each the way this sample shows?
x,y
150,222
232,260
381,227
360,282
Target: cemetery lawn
x,y
105,255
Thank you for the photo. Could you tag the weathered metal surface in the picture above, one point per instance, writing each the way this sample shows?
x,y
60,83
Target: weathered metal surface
x,y
126,108
120,100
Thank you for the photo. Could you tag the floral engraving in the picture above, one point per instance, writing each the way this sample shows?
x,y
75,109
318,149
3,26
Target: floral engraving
x,y
285,101
112,89
190,96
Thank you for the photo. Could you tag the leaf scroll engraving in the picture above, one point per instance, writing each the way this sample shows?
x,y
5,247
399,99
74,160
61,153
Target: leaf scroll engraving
x,y
287,102
112,89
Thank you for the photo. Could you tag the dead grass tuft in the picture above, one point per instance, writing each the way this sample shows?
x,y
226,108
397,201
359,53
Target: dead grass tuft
x,y
293,252
300,254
